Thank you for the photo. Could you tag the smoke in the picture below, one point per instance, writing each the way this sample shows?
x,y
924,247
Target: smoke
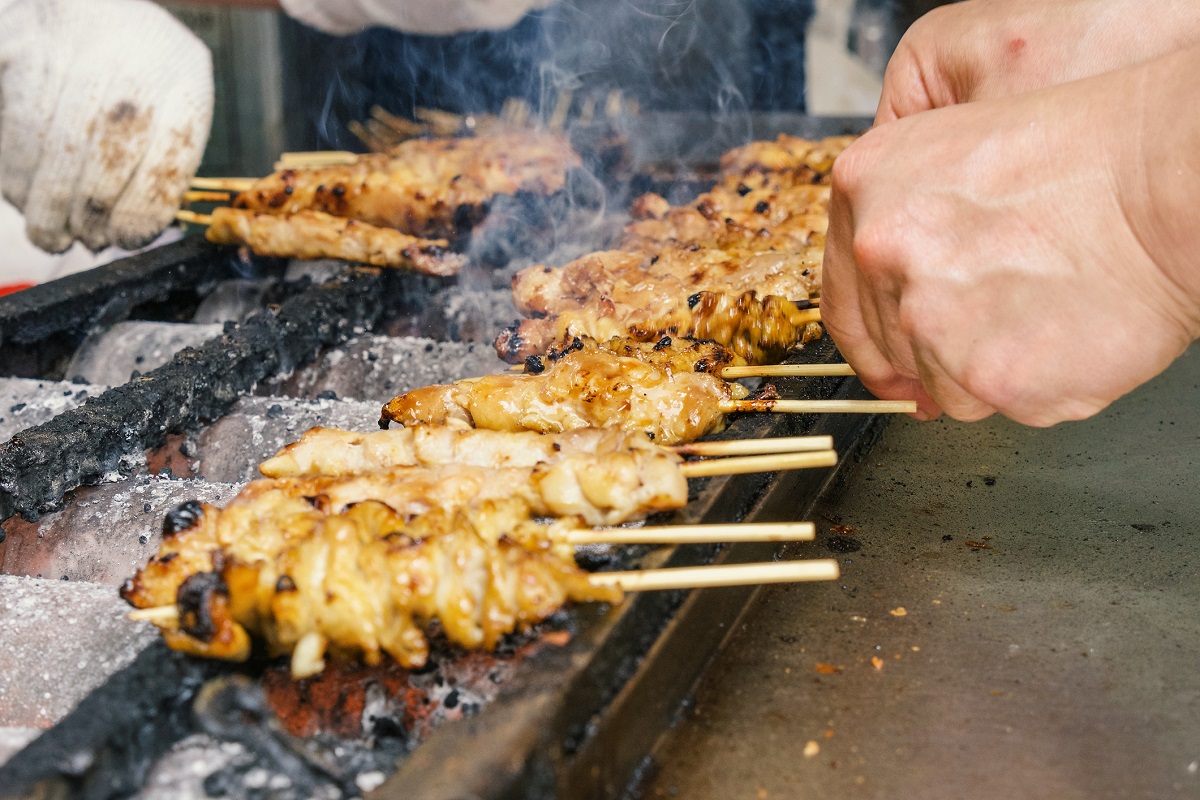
x,y
720,57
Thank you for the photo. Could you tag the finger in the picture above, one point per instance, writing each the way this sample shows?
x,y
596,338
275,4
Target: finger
x,y
841,312
31,80
182,120
948,393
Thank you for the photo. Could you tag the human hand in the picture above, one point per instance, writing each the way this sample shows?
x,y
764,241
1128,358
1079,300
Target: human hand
x,y
992,256
105,107
988,49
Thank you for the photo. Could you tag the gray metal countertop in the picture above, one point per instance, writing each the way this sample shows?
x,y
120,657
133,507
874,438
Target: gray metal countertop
x,y
1032,598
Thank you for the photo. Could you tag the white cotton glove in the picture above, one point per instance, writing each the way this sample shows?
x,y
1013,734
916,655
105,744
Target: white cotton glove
x,y
105,108
430,17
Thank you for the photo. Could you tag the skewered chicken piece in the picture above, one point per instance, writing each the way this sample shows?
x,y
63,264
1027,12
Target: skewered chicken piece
x,y
366,583
314,234
632,281
435,188
667,354
605,489
333,453
759,330
787,159
737,220
586,388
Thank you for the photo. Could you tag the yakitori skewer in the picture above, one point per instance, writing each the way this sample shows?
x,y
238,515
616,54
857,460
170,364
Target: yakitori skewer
x,y
185,215
643,580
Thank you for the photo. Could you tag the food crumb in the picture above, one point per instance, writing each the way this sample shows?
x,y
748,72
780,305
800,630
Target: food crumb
x,y
876,662
829,733
557,638
916,649
899,611
762,793
811,749
828,669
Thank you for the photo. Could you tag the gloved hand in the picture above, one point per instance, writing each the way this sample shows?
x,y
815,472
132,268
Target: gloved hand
x,y
431,17
105,109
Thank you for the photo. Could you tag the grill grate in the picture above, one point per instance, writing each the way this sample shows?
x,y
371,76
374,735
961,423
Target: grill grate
x,y
569,710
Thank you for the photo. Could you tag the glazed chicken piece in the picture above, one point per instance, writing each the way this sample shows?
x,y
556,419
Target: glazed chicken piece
x,y
361,585
787,159
740,220
331,452
605,489
586,388
667,354
256,524
314,234
643,282
760,330
434,188
608,488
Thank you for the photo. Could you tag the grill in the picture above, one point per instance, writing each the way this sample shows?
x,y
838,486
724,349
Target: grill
x,y
112,425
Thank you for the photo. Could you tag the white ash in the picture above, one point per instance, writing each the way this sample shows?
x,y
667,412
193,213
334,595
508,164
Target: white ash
x,y
13,741
105,533
59,640
318,270
231,301
25,403
180,773
377,368
113,356
231,449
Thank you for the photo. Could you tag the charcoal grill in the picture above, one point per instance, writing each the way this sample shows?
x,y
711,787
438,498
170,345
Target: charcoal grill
x,y
572,709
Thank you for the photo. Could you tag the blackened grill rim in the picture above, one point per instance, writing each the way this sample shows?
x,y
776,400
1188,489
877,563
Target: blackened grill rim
x,y
40,465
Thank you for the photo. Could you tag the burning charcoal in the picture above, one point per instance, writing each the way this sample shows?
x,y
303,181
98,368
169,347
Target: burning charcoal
x,y
25,403
231,301
377,368
104,534
58,641
231,449
109,358
317,270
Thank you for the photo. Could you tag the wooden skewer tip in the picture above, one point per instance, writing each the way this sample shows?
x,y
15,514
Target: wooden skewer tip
x,y
722,575
698,534
740,465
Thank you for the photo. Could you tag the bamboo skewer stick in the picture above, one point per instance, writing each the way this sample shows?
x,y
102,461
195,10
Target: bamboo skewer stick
x,y
787,371
755,447
206,197
822,406
721,575
184,215
224,184
164,615
765,463
315,158
698,534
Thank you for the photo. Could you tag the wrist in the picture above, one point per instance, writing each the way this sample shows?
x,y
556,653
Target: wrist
x,y
1160,183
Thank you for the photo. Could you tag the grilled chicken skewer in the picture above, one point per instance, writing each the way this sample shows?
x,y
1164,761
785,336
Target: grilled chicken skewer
x,y
585,388
314,234
435,188
366,582
736,266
